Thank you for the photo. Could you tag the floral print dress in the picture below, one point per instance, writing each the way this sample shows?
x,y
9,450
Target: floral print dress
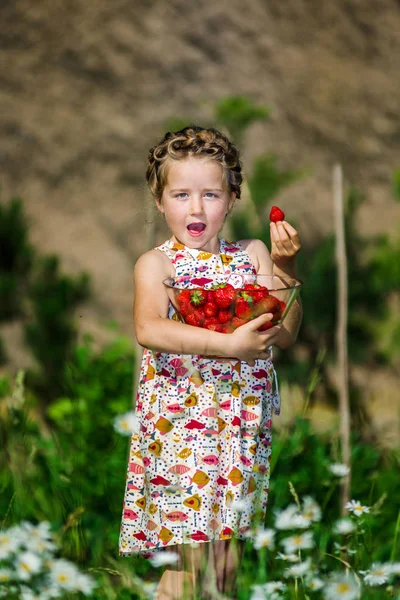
x,y
204,436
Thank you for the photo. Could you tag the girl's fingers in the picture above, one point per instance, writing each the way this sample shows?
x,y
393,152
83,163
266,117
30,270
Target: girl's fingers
x,y
260,320
285,238
280,238
294,236
272,332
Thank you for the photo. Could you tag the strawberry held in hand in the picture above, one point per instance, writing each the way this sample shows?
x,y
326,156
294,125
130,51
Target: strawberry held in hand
x,y
276,214
285,243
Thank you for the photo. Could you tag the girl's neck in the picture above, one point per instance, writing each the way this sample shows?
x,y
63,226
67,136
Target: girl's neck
x,y
174,240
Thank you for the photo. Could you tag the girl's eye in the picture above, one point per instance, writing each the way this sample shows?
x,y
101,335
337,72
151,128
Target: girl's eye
x,y
185,194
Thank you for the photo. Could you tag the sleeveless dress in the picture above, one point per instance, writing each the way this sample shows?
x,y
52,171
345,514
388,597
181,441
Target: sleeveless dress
x,y
204,440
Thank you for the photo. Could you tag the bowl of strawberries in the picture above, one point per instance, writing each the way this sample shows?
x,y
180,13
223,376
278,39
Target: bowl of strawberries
x,y
225,302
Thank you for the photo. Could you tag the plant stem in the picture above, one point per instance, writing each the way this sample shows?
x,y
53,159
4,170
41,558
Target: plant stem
x,y
396,531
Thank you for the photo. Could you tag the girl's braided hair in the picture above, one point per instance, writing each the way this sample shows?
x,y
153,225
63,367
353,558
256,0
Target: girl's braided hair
x,y
193,141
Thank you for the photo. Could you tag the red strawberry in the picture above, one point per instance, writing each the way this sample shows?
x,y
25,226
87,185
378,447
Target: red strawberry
x,y
196,318
266,326
243,309
192,319
256,291
280,311
244,306
210,321
224,295
216,327
183,296
186,308
276,214
237,322
268,304
224,316
210,309
198,297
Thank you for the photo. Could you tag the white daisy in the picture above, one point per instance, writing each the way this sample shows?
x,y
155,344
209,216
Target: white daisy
x,y
27,564
127,423
164,558
10,542
248,534
299,570
315,583
63,574
264,538
258,593
298,542
28,594
38,538
290,518
343,587
85,584
289,557
5,575
311,510
48,591
42,530
357,508
343,526
40,545
377,574
274,586
339,469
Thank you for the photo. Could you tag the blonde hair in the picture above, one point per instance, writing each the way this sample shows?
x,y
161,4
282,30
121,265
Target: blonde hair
x,y
193,141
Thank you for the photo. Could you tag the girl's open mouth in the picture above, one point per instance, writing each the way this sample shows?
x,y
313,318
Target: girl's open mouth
x,y
196,229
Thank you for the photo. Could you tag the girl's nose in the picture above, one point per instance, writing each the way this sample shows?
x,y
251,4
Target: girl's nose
x,y
196,205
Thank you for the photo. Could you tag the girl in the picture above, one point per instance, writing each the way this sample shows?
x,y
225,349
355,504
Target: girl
x,y
201,473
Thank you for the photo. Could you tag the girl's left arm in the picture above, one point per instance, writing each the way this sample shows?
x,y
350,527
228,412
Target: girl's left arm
x,y
285,244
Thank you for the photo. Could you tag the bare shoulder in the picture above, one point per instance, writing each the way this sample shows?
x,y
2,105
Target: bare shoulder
x,y
154,261
259,254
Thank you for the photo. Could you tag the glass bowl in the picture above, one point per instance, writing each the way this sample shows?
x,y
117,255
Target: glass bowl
x,y
224,302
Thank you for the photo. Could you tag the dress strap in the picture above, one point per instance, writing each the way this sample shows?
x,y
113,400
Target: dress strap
x,y
169,249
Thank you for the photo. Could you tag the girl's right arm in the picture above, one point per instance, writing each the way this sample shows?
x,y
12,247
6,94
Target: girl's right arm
x,y
155,331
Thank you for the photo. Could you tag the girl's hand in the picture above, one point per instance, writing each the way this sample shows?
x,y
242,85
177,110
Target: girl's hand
x,y
248,344
285,244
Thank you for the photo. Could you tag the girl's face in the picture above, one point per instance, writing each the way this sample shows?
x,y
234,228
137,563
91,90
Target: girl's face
x,y
195,192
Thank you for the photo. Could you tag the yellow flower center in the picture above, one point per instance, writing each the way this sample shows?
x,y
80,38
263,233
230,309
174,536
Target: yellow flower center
x,y
298,539
343,587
